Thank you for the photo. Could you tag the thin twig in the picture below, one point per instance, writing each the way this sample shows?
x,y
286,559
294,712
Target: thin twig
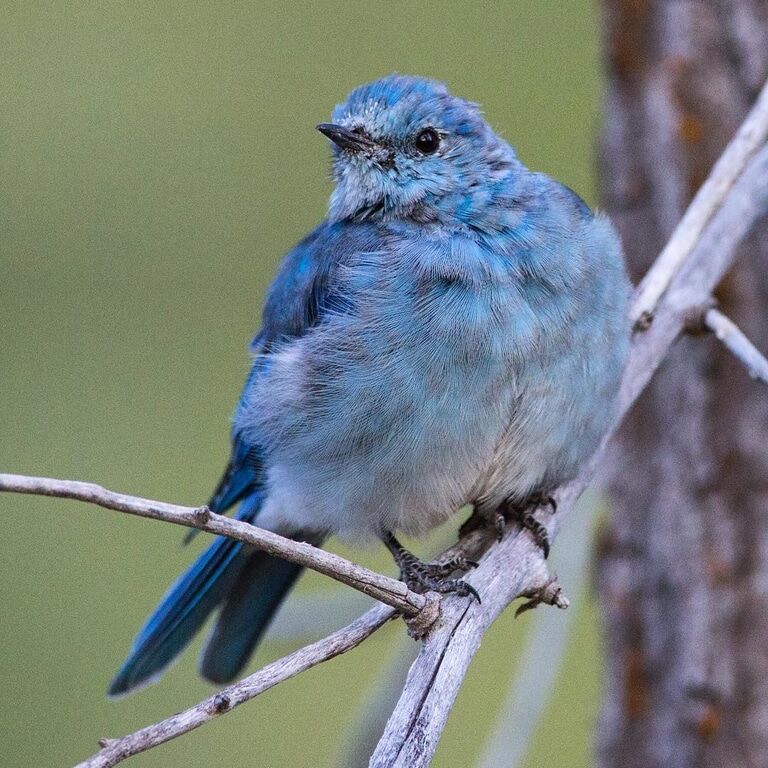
x,y
745,144
383,588
114,751
737,344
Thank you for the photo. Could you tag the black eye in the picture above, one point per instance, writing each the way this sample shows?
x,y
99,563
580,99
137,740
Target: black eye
x,y
428,141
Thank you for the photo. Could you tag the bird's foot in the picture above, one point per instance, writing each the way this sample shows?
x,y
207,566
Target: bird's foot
x,y
422,577
523,514
457,562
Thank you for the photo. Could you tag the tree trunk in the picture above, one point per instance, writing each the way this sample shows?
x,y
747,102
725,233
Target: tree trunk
x,y
683,564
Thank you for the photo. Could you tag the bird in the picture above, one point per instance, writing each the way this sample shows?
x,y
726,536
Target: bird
x,y
452,333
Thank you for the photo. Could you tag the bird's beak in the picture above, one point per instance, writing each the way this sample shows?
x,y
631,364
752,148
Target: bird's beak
x,y
344,138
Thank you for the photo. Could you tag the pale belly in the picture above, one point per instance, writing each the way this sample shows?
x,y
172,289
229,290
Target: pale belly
x,y
400,459
404,443
396,451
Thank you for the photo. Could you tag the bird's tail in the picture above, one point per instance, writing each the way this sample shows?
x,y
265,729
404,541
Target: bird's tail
x,y
258,590
251,585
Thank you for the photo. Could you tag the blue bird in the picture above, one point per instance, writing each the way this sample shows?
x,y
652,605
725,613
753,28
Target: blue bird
x,y
452,333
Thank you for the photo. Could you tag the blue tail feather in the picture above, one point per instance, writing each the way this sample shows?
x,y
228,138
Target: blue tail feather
x,y
184,609
255,596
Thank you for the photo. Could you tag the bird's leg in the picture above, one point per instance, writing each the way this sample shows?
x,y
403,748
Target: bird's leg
x,y
522,513
420,576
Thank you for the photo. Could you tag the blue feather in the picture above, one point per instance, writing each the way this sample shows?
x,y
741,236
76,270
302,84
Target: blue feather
x,y
252,601
184,609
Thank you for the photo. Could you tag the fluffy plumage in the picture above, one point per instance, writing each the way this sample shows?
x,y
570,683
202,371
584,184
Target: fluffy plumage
x,y
454,332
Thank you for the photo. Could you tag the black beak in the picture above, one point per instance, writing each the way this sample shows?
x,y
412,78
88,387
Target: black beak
x,y
344,138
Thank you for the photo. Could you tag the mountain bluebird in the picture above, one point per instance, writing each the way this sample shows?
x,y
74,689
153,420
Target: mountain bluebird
x,y
452,333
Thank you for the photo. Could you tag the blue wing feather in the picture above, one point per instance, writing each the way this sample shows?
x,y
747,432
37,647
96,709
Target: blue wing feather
x,y
247,611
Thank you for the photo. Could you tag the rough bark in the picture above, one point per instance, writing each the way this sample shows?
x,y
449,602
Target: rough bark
x,y
683,564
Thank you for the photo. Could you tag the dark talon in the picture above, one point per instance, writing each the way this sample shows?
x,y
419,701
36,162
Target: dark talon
x,y
448,586
421,577
522,513
538,531
472,591
447,567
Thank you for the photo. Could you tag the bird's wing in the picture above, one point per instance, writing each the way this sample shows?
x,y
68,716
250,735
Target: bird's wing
x,y
301,293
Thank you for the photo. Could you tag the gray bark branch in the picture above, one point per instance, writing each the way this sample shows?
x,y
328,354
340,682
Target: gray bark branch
x,y
383,588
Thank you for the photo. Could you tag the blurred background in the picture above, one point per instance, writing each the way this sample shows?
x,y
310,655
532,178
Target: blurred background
x,y
156,160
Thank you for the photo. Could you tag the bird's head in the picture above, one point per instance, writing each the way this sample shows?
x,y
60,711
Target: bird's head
x,y
405,148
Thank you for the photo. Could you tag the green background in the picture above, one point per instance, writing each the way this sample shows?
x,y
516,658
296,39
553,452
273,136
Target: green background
x,y
156,159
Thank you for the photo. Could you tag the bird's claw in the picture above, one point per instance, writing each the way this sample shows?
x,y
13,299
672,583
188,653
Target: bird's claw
x,y
537,529
421,581
423,577
457,562
523,515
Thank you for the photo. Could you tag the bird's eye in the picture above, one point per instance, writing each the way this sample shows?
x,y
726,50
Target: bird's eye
x,y
428,141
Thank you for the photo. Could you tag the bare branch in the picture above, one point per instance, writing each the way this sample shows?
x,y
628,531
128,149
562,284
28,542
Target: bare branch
x,y
114,751
737,343
383,588
708,200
